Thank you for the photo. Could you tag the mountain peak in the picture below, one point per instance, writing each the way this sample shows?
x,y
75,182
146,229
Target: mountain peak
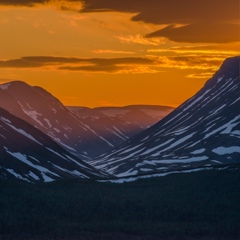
x,y
15,82
17,85
229,70
231,63
229,66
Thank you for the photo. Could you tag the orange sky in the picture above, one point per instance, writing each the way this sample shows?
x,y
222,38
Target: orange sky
x,y
101,52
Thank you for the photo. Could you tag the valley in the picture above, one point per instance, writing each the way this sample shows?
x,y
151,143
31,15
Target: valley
x,y
201,205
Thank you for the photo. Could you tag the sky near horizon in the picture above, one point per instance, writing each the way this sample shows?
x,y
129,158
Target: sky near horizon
x,y
117,52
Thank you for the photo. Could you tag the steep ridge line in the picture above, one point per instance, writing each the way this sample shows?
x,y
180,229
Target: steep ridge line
x,y
203,131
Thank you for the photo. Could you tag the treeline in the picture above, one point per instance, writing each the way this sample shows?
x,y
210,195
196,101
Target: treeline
x,y
204,205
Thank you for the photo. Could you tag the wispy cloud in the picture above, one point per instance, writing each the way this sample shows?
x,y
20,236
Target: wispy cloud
x,y
149,64
108,51
200,75
139,39
107,65
69,5
192,57
194,50
231,48
204,62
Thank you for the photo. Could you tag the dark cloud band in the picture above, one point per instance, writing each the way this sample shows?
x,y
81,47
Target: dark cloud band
x,y
75,64
22,2
202,32
171,11
114,65
207,21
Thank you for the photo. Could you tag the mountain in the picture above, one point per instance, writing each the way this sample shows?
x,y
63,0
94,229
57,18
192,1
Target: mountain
x,y
118,124
42,110
87,137
142,116
203,131
30,155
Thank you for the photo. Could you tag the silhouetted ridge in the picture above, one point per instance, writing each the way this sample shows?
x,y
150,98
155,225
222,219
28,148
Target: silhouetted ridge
x,y
228,69
87,133
203,131
28,154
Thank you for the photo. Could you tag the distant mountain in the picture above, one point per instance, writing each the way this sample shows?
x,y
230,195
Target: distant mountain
x,y
42,110
143,116
85,136
118,124
203,131
30,155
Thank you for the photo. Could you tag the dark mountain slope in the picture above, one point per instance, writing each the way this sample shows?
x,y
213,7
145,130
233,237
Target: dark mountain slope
x,y
42,110
28,154
203,131
85,134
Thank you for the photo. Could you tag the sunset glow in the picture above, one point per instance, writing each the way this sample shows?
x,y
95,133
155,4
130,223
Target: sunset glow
x,y
113,53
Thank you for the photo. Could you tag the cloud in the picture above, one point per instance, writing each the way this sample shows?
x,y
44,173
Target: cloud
x,y
94,68
171,11
149,64
135,69
108,65
206,75
230,48
193,57
207,50
141,40
203,62
29,3
202,32
108,51
71,5
67,5
20,63
205,21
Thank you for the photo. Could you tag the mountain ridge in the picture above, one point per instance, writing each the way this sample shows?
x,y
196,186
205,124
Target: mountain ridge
x,y
204,132
84,136
189,135
30,155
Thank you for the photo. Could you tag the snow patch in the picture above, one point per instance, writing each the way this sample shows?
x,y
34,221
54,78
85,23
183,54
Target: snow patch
x,y
34,115
24,133
5,120
43,170
198,151
11,171
48,122
134,178
219,79
5,86
34,176
226,150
